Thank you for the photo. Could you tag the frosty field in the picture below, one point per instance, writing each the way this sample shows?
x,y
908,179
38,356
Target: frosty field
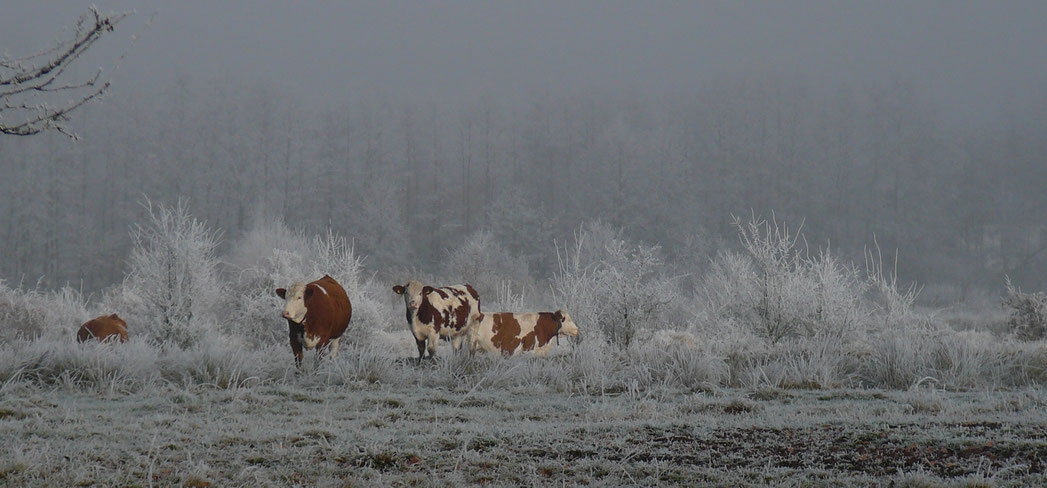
x,y
490,421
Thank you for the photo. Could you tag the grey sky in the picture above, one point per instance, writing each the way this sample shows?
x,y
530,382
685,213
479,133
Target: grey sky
x,y
971,57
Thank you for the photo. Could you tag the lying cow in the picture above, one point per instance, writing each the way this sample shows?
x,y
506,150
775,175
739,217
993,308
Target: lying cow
x,y
317,314
438,312
509,333
104,328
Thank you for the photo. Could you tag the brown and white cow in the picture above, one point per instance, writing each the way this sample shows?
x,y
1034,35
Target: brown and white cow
x,y
317,314
433,313
105,328
509,333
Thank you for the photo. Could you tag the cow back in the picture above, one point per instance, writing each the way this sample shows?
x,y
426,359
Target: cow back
x,y
509,333
448,309
104,328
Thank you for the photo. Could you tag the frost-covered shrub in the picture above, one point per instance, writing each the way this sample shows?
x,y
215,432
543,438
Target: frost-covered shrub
x,y
894,305
1028,319
778,290
33,313
483,263
609,283
172,291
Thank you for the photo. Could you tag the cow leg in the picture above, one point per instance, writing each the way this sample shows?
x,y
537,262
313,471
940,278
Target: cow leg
x,y
334,347
295,337
434,340
421,349
456,343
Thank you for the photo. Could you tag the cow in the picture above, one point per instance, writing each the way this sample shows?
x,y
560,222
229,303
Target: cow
x,y
317,314
105,328
509,333
433,313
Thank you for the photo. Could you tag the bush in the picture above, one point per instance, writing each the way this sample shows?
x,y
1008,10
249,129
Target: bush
x,y
611,284
1028,320
173,288
33,313
779,291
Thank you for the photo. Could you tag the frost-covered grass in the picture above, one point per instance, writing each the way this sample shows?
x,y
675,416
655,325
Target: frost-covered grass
x,y
335,428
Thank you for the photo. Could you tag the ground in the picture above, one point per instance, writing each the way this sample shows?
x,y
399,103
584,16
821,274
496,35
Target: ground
x,y
300,433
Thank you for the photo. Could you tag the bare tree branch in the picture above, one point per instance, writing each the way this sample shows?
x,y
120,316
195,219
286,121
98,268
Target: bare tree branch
x,y
23,81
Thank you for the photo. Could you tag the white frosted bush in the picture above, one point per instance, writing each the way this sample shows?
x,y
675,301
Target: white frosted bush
x,y
1028,313
779,291
172,291
608,283
34,313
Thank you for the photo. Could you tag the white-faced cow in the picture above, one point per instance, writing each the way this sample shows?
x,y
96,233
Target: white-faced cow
x,y
106,328
509,333
433,313
317,314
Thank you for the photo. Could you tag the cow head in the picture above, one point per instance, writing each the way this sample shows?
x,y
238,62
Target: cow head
x,y
567,326
294,302
296,305
413,292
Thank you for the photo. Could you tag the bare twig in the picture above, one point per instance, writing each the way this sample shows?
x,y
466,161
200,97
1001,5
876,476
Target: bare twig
x,y
24,79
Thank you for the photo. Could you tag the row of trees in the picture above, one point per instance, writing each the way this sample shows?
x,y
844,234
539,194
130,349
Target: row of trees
x,y
410,181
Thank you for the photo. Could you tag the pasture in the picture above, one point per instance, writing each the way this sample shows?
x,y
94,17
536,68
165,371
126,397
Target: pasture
x,y
97,415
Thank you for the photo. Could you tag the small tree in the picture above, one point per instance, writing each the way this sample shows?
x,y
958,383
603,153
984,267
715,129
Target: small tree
x,y
173,284
27,82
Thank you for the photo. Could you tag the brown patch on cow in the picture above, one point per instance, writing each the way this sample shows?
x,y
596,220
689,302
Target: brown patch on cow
x,y
544,331
461,315
440,291
472,291
428,314
104,328
506,332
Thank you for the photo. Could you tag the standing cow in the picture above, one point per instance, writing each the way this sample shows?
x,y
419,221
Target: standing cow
x,y
509,333
438,312
104,328
317,314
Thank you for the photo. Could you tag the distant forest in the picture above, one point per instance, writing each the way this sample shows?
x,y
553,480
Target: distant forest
x,y
962,204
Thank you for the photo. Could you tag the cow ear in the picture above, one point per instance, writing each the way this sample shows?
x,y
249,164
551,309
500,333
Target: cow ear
x,y
399,289
280,292
559,316
426,290
113,316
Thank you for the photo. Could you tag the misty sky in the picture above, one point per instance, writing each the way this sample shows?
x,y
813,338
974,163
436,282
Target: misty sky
x,y
964,54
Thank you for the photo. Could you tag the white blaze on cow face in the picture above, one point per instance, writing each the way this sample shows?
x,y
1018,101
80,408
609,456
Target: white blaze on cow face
x,y
567,326
412,293
294,304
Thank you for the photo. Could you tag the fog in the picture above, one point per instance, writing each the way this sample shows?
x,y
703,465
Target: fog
x,y
917,127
